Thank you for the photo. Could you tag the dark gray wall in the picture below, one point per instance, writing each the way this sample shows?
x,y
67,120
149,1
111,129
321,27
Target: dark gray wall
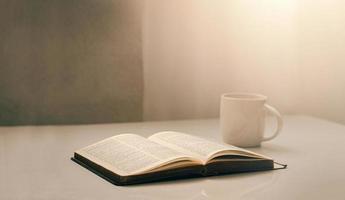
x,y
70,61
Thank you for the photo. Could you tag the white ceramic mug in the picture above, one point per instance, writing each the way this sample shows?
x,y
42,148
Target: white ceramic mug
x,y
242,119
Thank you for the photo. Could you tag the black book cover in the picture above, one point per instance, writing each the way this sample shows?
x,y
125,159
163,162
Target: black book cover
x,y
212,169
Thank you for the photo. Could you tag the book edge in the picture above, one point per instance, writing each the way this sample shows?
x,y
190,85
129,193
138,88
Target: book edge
x,y
174,174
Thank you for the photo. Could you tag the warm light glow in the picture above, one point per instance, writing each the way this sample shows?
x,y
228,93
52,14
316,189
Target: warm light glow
x,y
195,50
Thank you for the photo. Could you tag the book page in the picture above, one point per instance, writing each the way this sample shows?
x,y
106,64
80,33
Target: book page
x,y
130,154
198,147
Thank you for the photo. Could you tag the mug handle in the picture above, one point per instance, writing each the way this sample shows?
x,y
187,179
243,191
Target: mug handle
x,y
274,112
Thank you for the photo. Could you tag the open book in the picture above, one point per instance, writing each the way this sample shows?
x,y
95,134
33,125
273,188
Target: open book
x,y
129,159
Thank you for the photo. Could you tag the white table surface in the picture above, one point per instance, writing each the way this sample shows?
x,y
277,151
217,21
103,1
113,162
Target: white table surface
x,y
35,163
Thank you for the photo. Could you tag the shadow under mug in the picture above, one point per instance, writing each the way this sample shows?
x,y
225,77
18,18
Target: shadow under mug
x,y
242,119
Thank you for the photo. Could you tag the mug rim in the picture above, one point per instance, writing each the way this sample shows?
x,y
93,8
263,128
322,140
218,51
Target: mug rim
x,y
244,96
